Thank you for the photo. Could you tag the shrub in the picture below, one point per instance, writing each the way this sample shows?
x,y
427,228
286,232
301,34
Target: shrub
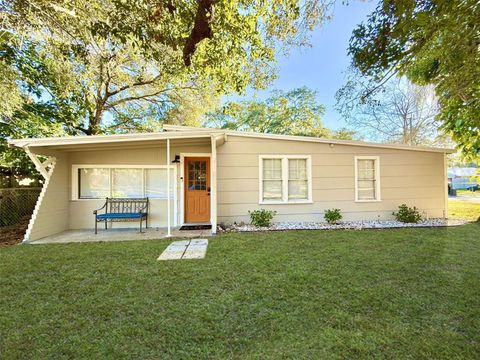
x,y
332,215
262,217
407,214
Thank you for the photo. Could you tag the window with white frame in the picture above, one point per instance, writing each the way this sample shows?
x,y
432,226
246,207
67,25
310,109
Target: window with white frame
x,y
98,182
285,179
367,178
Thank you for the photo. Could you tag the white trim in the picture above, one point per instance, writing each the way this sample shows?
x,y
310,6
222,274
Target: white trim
x,y
204,133
285,171
38,205
180,128
169,231
378,196
182,180
445,186
41,167
74,180
213,185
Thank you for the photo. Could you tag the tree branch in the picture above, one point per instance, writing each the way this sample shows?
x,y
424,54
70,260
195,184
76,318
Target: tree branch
x,y
201,29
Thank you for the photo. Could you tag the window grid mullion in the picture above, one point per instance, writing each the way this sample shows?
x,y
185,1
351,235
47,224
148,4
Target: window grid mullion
x,y
285,179
111,182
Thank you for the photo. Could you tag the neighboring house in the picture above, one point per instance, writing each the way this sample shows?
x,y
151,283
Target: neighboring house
x,y
463,178
217,175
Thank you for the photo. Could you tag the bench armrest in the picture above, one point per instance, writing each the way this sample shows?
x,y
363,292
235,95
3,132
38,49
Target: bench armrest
x,y
103,207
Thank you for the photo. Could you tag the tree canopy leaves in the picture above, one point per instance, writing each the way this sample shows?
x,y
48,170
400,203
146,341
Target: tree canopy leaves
x,y
432,42
294,112
105,66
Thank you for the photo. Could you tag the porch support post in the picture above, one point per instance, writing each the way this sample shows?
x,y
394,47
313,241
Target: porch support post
x,y
169,231
41,167
213,185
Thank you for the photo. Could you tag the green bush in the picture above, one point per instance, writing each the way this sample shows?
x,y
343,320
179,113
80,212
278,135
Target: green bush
x,y
262,217
332,215
407,214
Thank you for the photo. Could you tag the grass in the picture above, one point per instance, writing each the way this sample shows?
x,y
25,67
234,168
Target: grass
x,y
403,293
458,209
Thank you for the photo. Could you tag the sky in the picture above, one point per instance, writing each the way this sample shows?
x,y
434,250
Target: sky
x,y
321,67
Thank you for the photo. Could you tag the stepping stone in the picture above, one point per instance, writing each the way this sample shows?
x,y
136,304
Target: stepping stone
x,y
175,250
196,250
185,249
202,242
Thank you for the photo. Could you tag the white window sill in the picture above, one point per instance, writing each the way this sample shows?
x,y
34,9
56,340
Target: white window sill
x,y
285,202
367,201
87,199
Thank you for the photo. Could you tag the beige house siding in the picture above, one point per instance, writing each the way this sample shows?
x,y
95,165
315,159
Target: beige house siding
x,y
416,178
80,211
413,177
52,210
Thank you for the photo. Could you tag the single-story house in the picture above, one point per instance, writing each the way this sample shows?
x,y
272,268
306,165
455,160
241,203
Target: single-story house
x,y
199,175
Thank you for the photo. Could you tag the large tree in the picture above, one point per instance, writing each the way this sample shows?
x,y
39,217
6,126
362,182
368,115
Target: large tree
x,y
401,112
102,66
294,112
108,52
432,42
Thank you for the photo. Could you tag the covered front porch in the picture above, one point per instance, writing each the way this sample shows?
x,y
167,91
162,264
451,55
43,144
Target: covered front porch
x,y
120,234
165,167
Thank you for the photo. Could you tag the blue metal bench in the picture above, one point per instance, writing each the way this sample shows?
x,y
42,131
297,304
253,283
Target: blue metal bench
x,y
123,209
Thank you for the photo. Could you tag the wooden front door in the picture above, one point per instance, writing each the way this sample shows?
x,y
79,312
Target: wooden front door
x,y
197,189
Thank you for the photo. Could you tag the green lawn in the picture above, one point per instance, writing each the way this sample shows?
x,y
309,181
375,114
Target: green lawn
x,y
410,293
458,209
468,193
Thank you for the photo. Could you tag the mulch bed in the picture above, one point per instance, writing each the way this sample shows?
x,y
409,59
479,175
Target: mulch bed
x,y
13,234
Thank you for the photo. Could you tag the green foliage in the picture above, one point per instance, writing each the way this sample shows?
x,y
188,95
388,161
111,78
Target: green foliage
x,y
106,66
294,112
332,216
431,42
262,217
407,214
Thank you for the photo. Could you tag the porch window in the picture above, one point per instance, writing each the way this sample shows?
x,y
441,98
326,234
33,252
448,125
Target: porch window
x,y
99,182
285,179
367,178
127,183
94,183
156,183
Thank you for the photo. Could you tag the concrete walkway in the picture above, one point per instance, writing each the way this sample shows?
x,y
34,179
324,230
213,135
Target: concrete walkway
x,y
80,236
186,249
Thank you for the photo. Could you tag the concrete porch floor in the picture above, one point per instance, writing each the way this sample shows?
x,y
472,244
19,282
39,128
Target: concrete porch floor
x,y
125,234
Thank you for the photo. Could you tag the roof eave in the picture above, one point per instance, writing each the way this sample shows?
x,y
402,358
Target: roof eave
x,y
104,139
340,142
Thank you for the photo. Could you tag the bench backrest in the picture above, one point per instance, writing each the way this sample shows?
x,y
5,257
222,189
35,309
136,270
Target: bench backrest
x,y
127,205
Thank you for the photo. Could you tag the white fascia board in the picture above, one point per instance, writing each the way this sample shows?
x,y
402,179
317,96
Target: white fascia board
x,y
104,139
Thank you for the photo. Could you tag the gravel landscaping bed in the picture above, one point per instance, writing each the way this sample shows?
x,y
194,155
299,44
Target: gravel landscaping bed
x,y
356,225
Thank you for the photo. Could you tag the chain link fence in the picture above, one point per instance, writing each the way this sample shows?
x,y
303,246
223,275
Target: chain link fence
x,y
16,204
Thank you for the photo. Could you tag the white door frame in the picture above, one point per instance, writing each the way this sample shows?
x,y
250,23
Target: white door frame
x,y
182,181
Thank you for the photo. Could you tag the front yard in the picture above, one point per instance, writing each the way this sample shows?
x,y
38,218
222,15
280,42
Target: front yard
x,y
458,209
307,294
